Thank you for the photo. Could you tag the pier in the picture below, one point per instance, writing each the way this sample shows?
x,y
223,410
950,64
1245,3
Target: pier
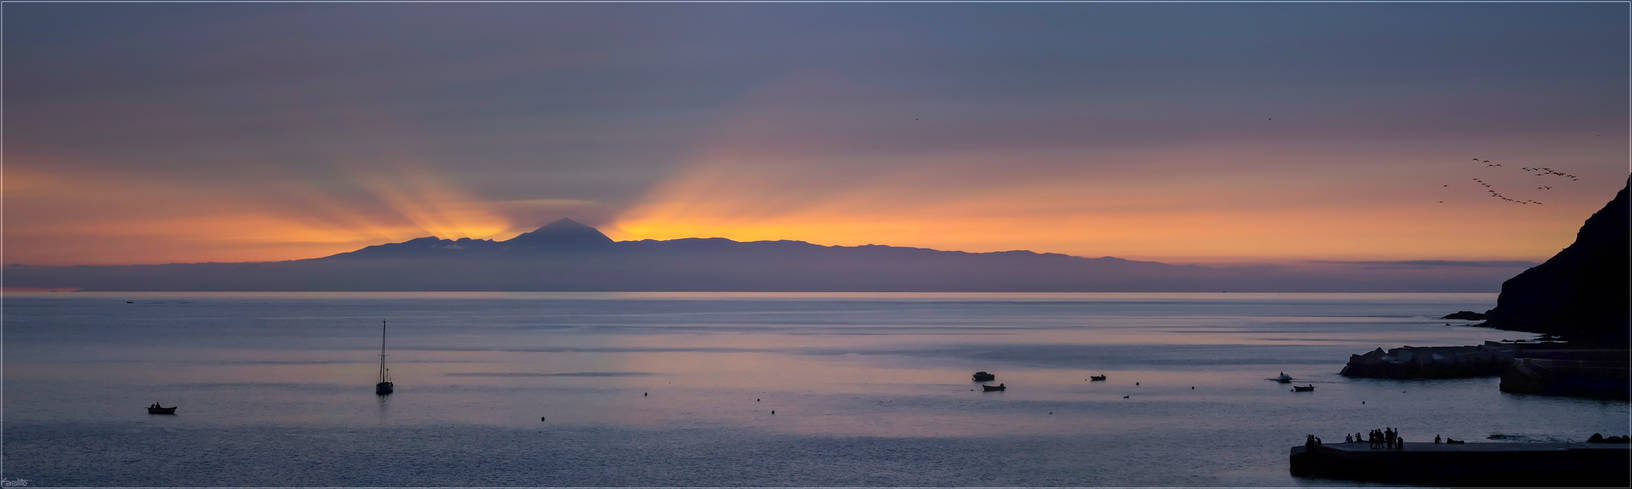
x,y
1468,464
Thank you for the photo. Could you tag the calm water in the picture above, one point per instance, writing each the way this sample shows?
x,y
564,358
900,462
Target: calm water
x,y
868,389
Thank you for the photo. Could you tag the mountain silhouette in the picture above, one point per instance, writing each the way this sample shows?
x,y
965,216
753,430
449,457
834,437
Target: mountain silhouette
x,y
562,234
569,256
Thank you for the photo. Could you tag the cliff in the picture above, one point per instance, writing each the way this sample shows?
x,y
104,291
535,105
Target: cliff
x,y
1580,293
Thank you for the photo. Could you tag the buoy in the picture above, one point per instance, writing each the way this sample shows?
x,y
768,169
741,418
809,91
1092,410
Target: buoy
x,y
1124,397
540,418
773,411
1135,383
756,399
1192,387
643,394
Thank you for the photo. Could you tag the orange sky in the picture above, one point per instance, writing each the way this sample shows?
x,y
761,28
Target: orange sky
x,y
1154,211
1189,134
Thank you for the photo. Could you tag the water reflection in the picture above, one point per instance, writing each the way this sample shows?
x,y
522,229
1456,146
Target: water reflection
x,y
383,411
690,380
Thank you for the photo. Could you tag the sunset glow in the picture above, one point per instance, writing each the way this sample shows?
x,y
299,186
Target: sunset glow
x,y
1204,141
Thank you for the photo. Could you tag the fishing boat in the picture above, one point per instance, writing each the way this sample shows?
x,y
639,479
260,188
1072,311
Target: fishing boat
x,y
989,388
1284,378
1303,388
157,409
982,376
1097,378
384,387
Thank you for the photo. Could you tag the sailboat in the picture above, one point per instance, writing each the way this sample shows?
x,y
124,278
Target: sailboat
x,y
385,386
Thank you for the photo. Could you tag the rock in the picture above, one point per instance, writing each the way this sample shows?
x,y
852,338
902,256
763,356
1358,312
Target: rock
x,y
1465,315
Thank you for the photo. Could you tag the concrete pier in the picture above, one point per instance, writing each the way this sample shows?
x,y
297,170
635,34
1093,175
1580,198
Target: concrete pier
x,y
1588,373
1469,464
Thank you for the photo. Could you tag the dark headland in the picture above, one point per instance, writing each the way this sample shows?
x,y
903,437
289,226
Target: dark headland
x,y
1581,292
1578,299
1578,296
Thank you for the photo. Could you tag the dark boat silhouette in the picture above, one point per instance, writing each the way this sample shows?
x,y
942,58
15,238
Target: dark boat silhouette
x,y
384,387
1096,378
1303,388
157,409
989,388
1283,378
982,376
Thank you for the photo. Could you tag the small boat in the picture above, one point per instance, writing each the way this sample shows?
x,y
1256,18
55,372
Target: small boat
x,y
1096,378
384,386
1303,388
982,376
989,388
1284,378
157,409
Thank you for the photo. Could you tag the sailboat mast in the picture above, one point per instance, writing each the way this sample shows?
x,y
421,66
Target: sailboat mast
x,y
382,350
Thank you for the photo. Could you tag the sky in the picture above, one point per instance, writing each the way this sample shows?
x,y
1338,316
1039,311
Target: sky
x,y
1185,133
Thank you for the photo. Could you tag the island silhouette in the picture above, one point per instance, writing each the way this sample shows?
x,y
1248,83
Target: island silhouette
x,y
566,255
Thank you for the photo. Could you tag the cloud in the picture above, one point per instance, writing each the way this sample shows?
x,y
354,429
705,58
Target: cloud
x,y
556,374
1505,264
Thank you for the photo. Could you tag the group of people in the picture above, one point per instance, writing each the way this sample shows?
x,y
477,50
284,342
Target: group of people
x,y
1387,438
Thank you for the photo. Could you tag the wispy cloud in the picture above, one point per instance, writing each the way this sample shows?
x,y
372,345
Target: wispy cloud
x,y
555,374
1432,263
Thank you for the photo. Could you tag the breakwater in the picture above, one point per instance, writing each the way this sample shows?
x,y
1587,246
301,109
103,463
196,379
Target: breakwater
x,y
1435,362
1525,368
1599,374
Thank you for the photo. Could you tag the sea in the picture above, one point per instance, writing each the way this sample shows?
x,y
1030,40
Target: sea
x,y
729,389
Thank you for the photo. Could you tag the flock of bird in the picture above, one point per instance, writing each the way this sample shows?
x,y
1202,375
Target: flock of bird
x,y
1493,193
1540,171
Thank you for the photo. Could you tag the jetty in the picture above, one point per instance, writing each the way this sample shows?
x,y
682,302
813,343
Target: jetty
x,y
1468,464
